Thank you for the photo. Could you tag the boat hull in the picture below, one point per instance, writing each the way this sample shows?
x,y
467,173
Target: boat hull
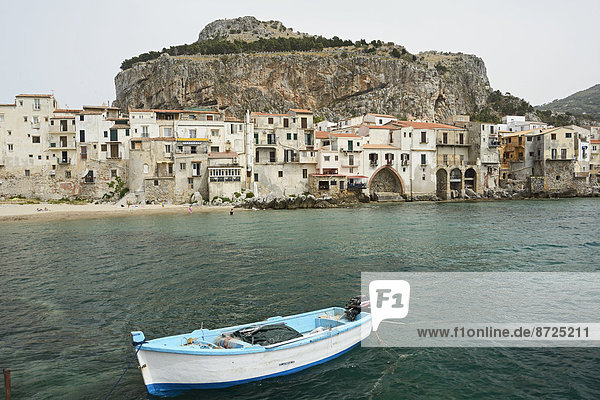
x,y
168,374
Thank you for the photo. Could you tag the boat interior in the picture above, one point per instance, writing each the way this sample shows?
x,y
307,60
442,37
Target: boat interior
x,y
276,332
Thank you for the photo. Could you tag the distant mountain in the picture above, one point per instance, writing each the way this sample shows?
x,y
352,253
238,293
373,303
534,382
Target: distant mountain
x,y
586,102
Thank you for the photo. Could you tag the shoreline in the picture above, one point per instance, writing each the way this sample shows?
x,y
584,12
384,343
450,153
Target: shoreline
x,y
65,212
42,212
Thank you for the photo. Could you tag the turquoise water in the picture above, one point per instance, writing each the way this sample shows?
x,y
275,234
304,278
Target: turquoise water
x,y
72,290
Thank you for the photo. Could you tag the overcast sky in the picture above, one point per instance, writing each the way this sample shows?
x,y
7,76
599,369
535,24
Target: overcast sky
x,y
537,49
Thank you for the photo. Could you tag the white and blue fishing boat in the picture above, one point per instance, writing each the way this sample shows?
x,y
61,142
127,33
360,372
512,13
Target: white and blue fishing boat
x,y
218,358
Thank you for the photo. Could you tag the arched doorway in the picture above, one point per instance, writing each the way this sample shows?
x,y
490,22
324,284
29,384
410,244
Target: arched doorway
x,y
386,179
470,179
455,179
441,182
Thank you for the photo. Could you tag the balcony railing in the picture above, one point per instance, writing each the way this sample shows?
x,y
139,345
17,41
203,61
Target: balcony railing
x,y
64,161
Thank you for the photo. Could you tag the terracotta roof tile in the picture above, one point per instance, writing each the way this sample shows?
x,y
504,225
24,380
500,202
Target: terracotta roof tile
x,y
301,111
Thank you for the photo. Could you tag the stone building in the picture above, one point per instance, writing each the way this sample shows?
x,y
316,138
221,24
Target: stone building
x,y
484,151
282,144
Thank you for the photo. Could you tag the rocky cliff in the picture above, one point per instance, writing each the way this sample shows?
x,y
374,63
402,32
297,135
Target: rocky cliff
x,y
335,82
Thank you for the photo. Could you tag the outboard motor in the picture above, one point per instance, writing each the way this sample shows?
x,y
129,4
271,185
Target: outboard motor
x,y
354,306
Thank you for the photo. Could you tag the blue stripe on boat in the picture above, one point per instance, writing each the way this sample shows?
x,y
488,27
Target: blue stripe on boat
x,y
174,389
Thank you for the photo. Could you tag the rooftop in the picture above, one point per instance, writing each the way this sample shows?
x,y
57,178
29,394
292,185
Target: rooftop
x,y
300,111
35,95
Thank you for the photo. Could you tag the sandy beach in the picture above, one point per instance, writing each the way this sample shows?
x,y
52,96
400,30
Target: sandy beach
x,y
31,212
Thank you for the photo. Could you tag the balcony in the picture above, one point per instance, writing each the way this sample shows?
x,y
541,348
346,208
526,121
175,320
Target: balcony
x,y
62,146
64,161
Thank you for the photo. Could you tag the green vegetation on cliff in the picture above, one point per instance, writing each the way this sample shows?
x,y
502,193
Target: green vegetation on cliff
x,y
499,104
585,102
279,44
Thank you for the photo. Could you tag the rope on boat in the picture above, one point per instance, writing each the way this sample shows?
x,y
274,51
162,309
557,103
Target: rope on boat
x,y
119,380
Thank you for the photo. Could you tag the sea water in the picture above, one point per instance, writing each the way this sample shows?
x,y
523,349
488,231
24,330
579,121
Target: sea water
x,y
71,291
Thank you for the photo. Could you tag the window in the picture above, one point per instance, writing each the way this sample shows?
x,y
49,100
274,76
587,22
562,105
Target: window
x,y
272,157
192,133
280,174
182,166
326,158
156,182
35,119
31,156
563,154
126,132
105,134
270,120
39,157
423,137
531,154
423,159
568,135
1,117
553,136
214,149
103,147
35,139
304,173
336,158
215,132
520,156
81,117
554,154
83,152
36,104
445,137
144,132
82,136
24,119
286,123
193,149
308,138
255,177
334,183
167,148
114,173
445,159
114,135
146,169
461,138
67,174
257,156
209,117
529,138
167,132
27,172
191,183
373,159
289,136
196,169
256,138
295,136
170,168
303,123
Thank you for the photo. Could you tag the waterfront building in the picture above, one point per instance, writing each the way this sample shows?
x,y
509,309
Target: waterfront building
x,y
555,157
102,149
594,161
484,151
447,146
283,152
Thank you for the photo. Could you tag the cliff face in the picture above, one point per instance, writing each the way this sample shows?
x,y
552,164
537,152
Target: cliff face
x,y
335,84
